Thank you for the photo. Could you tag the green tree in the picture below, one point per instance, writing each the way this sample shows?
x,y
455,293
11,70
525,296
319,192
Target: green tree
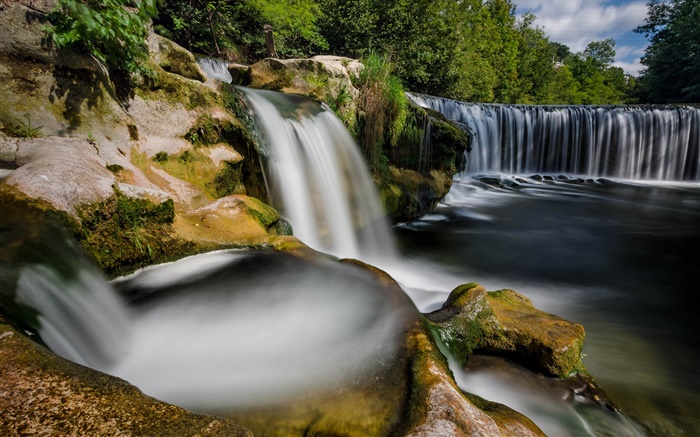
x,y
234,28
598,82
112,31
672,59
536,68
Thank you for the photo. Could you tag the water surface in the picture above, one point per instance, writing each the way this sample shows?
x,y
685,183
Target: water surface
x,y
619,257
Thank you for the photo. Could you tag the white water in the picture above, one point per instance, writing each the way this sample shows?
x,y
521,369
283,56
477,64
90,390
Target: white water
x,y
318,178
644,143
215,69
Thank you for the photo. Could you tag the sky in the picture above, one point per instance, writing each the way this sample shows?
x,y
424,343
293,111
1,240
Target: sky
x,y
578,22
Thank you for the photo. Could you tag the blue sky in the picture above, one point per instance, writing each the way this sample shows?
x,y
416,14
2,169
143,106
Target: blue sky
x,y
578,22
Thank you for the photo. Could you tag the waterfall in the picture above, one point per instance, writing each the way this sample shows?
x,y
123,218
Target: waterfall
x,y
627,142
318,178
47,282
215,69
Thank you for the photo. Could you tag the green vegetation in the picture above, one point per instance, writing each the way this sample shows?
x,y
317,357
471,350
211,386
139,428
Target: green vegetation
x,y
234,29
472,50
383,107
672,57
123,233
112,31
115,168
18,128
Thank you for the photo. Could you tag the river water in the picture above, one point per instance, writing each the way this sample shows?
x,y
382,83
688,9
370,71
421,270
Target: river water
x,y
619,257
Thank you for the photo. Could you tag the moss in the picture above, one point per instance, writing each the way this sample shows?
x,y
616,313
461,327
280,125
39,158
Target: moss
x,y
207,131
229,180
11,197
114,168
123,233
133,132
175,89
179,61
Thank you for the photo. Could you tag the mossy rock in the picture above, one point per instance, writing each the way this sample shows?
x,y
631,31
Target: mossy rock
x,y
43,394
175,59
506,323
407,194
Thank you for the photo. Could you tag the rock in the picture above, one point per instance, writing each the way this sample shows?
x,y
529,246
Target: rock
x,y
230,219
239,73
419,175
174,59
438,408
505,323
64,172
43,394
417,379
323,78
406,194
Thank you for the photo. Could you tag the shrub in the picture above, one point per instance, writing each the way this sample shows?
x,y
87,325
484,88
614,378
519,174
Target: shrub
x,y
383,106
112,31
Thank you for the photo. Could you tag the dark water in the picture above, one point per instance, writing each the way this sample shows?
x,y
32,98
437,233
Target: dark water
x,y
621,258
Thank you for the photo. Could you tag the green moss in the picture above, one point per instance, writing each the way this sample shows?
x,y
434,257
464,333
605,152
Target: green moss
x,y
115,168
124,233
206,131
229,180
175,89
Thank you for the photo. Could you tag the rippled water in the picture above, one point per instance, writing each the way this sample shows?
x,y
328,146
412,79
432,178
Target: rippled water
x,y
619,257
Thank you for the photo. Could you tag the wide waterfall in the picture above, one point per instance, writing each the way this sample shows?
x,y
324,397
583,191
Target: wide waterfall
x,y
630,142
318,178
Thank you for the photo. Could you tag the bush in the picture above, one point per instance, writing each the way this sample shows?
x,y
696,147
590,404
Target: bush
x,y
112,31
383,106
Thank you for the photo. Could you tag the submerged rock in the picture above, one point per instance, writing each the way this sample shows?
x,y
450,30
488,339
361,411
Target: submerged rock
x,y
505,322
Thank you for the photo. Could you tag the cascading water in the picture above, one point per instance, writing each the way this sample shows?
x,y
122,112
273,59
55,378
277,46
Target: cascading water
x,y
319,179
316,175
633,142
215,69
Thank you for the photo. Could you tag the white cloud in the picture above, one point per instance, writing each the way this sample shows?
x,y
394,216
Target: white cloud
x,y
632,68
577,22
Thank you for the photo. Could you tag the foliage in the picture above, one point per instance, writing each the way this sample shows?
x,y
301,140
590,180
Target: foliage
x,y
597,81
18,128
115,168
673,55
473,50
383,106
124,232
161,157
112,31
234,28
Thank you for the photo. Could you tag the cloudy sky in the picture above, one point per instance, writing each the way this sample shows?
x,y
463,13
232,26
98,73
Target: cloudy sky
x,y
578,22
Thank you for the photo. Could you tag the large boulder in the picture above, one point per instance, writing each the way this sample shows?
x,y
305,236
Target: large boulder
x,y
505,322
327,79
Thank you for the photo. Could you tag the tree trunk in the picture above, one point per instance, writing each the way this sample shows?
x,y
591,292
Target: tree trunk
x,y
269,41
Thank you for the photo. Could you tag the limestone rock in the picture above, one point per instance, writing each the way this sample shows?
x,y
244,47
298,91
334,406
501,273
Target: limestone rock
x,y
323,78
438,407
174,59
230,219
65,172
43,394
506,323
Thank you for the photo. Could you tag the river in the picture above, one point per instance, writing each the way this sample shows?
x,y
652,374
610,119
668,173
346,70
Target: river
x,y
619,257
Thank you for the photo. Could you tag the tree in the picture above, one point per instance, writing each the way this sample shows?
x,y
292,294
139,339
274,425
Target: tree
x,y
673,55
109,30
235,27
602,53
